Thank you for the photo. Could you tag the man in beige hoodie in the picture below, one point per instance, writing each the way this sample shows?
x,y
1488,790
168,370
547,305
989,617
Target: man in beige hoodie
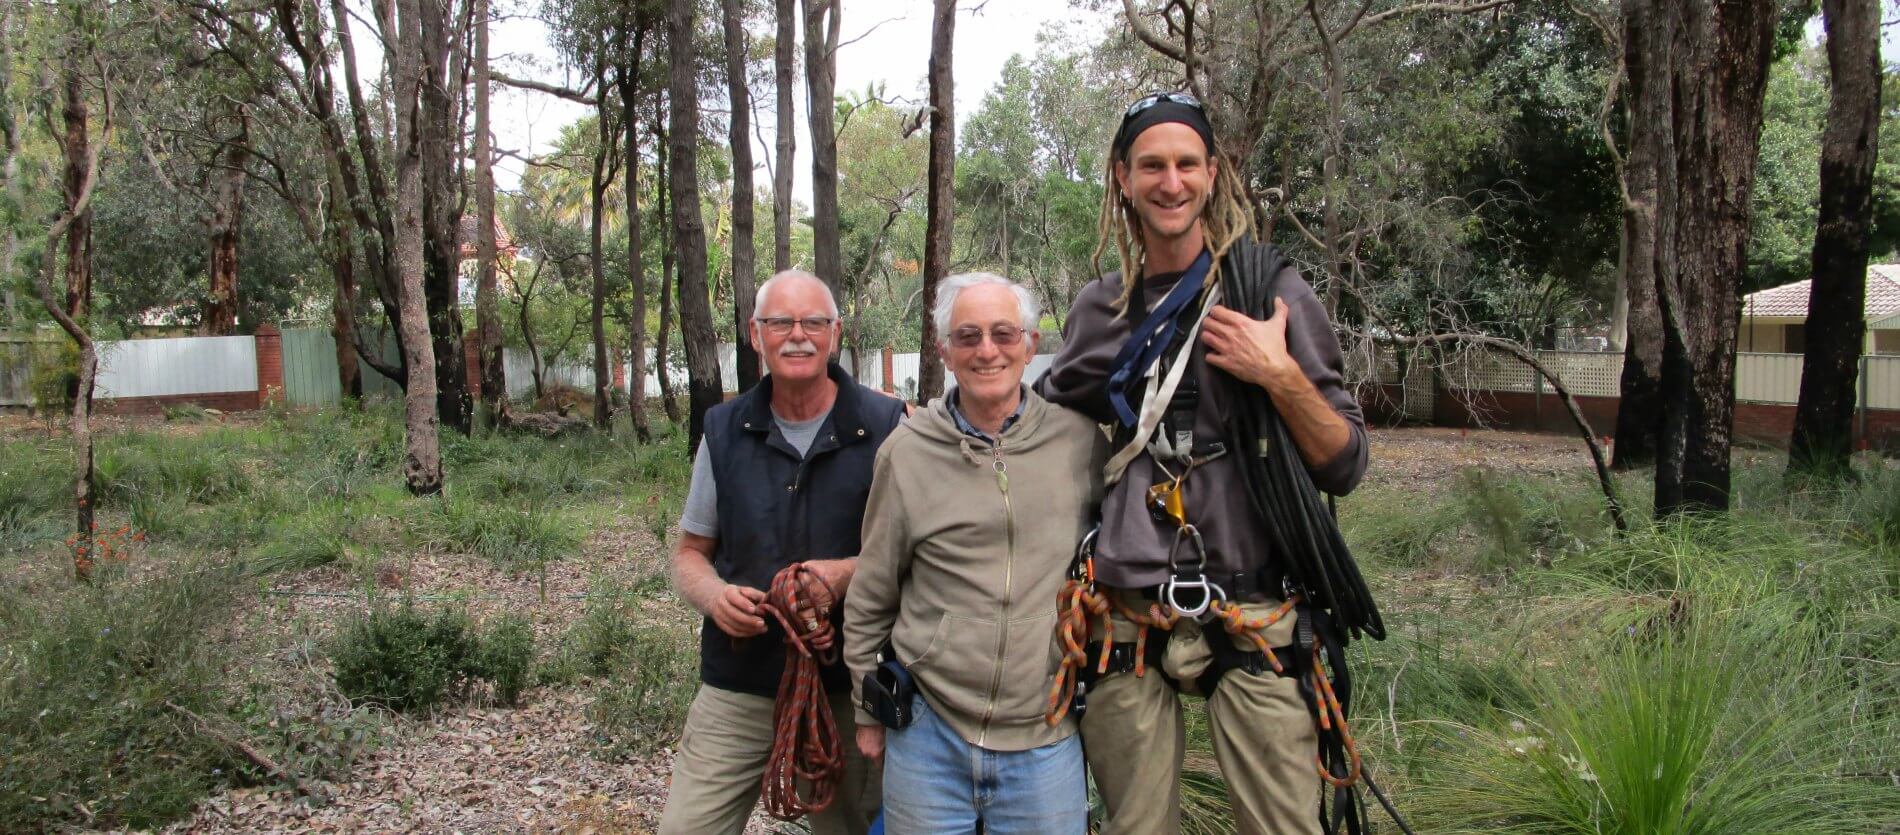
x,y
976,506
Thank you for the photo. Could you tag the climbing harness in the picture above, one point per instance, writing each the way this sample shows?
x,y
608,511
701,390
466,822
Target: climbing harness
x,y
1320,583
805,742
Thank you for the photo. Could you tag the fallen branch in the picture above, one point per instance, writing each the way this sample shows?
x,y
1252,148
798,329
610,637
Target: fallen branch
x,y
257,758
1563,393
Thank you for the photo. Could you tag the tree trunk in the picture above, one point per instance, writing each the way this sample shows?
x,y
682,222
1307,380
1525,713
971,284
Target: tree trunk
x,y
636,268
75,147
702,350
10,166
374,214
596,264
494,408
1719,69
1837,327
442,213
822,20
422,462
1639,405
940,203
783,64
227,222
80,181
337,231
668,256
744,259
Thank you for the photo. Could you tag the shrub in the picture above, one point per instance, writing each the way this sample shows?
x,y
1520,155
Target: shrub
x,y
88,678
642,707
1684,730
399,658
512,537
317,537
600,640
506,657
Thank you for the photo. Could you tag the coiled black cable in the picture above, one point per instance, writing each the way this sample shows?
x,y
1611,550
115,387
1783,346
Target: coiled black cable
x,y
1305,536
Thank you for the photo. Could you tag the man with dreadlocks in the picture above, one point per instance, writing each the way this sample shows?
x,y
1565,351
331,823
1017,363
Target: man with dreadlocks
x,y
1183,569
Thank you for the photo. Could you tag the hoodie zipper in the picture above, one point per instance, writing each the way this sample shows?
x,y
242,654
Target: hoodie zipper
x,y
1009,567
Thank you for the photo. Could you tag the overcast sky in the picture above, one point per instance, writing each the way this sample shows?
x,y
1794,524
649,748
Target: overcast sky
x,y
886,41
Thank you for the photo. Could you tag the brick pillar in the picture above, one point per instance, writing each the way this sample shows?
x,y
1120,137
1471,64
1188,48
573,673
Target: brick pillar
x,y
889,386
270,364
472,363
620,374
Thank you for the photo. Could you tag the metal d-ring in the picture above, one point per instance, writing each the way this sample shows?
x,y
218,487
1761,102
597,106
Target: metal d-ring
x,y
1208,591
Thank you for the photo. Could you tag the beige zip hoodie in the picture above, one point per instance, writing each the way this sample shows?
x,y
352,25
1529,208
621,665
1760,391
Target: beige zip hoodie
x,y
965,550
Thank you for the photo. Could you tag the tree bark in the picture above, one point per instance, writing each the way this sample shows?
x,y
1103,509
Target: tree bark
x,y
442,212
636,267
744,258
1719,71
1837,296
494,408
337,230
75,147
783,64
375,213
77,206
1639,403
822,21
668,257
227,223
689,238
940,202
596,263
422,462
10,166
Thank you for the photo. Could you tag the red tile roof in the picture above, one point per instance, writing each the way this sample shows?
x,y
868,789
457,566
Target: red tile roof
x,y
1883,296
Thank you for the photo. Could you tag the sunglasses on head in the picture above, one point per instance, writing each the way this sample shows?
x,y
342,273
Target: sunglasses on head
x,y
1153,99
970,336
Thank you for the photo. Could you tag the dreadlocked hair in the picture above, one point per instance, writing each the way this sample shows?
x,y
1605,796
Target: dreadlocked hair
x,y
1224,220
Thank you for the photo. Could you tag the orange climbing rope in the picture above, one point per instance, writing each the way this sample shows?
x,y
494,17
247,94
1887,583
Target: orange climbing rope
x,y
804,733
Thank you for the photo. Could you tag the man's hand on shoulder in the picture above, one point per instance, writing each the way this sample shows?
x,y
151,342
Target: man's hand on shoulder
x,y
736,611
1252,350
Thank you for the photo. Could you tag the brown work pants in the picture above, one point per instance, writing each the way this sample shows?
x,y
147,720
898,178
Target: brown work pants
x,y
721,761
1263,739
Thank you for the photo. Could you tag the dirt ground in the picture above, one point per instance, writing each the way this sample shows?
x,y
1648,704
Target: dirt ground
x,y
532,769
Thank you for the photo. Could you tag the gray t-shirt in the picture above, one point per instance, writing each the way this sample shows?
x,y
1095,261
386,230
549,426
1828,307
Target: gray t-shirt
x,y
701,516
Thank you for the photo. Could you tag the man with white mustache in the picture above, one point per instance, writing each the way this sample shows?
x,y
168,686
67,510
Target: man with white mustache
x,y
781,477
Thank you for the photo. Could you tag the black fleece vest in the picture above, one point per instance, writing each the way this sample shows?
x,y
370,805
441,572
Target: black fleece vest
x,y
776,509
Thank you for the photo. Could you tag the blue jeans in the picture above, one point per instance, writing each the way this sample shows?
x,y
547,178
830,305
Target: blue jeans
x,y
937,784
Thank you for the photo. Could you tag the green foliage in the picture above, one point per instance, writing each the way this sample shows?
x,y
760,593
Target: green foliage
x,y
402,659
642,707
87,680
505,657
55,376
598,644
512,537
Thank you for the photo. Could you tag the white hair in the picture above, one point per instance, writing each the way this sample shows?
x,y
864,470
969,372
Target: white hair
x,y
955,285
758,301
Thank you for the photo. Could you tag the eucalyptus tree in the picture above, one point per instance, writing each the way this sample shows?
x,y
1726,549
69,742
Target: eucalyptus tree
x,y
739,140
689,232
942,195
823,19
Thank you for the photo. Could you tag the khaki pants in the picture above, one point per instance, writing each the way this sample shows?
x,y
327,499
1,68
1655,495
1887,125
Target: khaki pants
x,y
1263,737
721,761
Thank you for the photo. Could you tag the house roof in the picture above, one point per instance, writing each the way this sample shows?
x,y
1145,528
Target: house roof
x,y
1883,296
504,242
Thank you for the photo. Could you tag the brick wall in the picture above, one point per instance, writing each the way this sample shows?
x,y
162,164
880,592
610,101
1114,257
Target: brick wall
x,y
1768,424
270,365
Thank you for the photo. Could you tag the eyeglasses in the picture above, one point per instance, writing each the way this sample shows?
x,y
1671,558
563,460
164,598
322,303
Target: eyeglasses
x,y
782,325
1153,99
970,336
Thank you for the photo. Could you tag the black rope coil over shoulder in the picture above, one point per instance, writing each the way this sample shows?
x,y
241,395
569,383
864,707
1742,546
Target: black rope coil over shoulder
x,y
1307,545
1305,537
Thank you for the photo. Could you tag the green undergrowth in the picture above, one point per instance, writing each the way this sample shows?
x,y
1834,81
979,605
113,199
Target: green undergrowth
x,y
1725,673
124,703
304,489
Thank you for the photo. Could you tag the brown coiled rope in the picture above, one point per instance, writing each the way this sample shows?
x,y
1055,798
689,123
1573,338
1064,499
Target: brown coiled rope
x,y
805,742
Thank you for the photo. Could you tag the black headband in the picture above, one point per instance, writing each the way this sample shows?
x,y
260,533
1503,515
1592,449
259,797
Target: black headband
x,y
1161,112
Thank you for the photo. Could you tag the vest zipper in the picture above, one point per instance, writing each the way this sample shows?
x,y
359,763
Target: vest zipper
x,y
1009,570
